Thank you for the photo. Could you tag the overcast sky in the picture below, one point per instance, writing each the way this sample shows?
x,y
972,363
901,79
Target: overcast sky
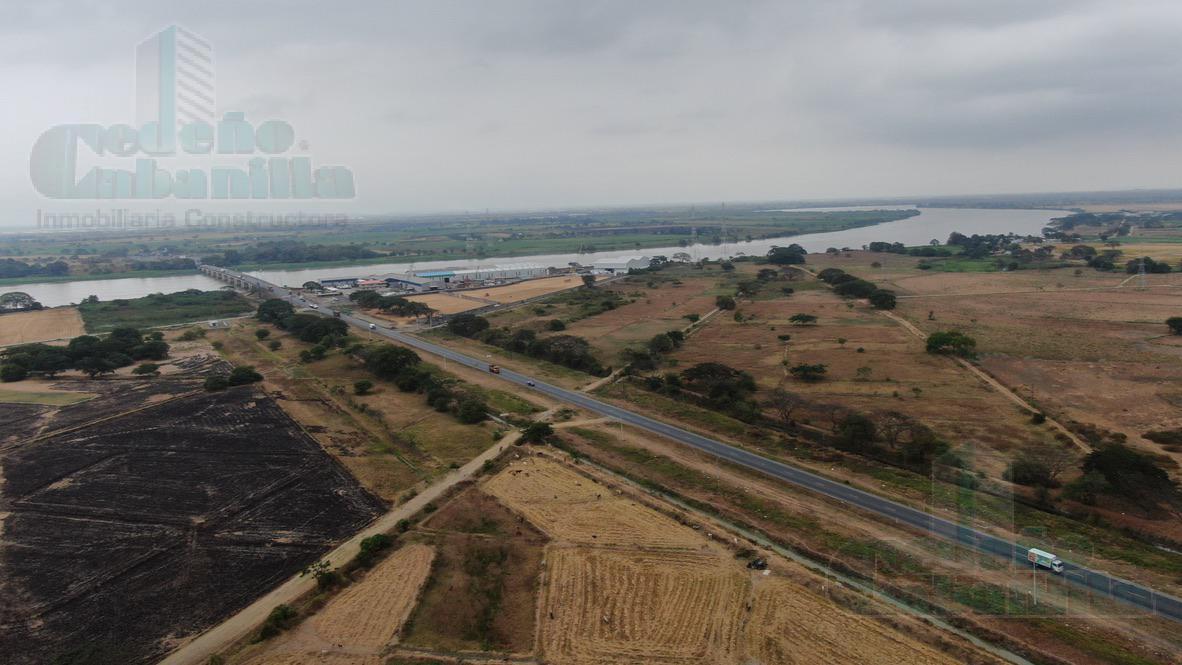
x,y
445,106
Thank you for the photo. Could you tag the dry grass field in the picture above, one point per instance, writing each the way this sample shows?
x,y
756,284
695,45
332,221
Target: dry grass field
x,y
777,635
611,606
644,588
369,614
446,304
40,326
357,624
571,508
396,442
655,310
531,288
899,375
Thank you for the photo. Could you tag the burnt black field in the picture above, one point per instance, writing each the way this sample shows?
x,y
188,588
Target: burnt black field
x,y
133,531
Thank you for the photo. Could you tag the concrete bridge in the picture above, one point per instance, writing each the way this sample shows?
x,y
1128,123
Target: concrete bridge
x,y
234,278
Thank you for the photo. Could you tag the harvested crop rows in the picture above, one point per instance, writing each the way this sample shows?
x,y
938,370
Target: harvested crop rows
x,y
370,613
790,624
608,606
569,507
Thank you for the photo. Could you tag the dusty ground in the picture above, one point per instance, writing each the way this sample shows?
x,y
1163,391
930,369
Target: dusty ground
x,y
358,623
40,326
446,304
528,289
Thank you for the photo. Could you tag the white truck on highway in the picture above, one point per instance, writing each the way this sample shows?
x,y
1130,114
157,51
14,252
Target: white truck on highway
x,y
1044,559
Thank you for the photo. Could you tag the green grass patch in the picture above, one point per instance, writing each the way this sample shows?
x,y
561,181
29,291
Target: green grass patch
x,y
161,309
46,398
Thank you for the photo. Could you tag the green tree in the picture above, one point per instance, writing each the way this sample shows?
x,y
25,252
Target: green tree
x,y
146,369
1175,324
467,325
216,382
362,387
537,432
952,343
262,333
802,319
809,373
12,372
882,299
724,302
274,310
472,410
555,325
387,361
242,375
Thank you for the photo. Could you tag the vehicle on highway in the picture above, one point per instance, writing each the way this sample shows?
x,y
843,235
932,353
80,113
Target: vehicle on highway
x,y
314,306
336,314
494,369
372,327
1045,559
530,383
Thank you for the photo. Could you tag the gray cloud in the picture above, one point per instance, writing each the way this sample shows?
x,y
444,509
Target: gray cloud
x,y
516,103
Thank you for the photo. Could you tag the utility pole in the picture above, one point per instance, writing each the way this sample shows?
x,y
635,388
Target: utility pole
x,y
1141,273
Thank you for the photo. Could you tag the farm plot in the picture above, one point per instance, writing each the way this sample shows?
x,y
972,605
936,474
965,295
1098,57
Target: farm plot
x,y
354,627
569,507
608,606
653,311
791,624
40,326
133,531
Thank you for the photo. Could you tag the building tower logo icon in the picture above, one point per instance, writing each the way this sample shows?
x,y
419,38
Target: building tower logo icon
x,y
174,82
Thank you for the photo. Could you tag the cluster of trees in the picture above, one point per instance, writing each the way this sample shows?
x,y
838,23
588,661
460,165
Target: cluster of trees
x,y
396,305
1133,267
89,354
1100,260
323,332
893,437
1113,469
162,264
1174,323
650,356
784,256
951,342
239,376
714,386
17,301
289,251
14,268
404,367
567,350
845,284
929,250
981,246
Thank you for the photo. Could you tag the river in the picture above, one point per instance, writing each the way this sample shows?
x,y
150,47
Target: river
x,y
931,224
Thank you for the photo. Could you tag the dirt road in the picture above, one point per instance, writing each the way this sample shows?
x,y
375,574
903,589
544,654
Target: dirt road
x,y
994,383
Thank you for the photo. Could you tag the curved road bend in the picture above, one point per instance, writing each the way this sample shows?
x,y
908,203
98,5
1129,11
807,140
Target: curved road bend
x,y
1134,594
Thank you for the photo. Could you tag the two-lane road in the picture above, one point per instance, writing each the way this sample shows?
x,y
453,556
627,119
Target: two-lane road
x,y
1141,597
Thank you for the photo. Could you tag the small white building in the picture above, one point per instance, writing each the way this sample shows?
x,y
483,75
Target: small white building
x,y
622,264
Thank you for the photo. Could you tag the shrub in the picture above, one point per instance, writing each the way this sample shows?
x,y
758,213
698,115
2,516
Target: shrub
x,y
12,372
242,375
952,343
537,432
274,345
146,368
362,387
1029,472
472,410
371,546
1175,324
216,382
467,325
724,302
882,299
556,325
279,620
262,333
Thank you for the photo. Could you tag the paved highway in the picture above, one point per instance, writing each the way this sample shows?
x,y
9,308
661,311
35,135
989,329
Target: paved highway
x,y
1138,596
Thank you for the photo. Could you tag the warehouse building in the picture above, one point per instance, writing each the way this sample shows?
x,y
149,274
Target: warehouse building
x,y
622,264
